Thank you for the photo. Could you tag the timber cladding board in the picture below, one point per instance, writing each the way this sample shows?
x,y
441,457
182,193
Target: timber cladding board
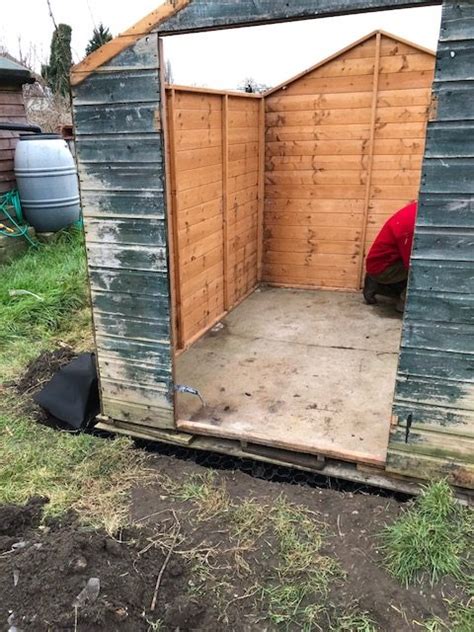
x,y
347,129
119,149
435,384
214,163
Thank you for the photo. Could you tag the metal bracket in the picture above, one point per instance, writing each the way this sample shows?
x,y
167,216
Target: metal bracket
x,y
188,390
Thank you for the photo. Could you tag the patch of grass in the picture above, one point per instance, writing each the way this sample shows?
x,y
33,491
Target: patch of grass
x,y
76,472
248,521
461,619
430,538
211,499
303,574
292,593
285,605
56,273
354,621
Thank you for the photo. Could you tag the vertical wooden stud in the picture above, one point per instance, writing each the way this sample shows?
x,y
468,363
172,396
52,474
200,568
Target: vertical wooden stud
x,y
261,187
368,186
173,215
225,176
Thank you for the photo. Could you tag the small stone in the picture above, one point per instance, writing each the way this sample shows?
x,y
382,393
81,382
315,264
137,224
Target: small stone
x,y
121,613
79,564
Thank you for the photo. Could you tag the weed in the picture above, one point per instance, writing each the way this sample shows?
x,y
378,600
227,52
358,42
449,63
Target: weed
x,y
430,537
155,626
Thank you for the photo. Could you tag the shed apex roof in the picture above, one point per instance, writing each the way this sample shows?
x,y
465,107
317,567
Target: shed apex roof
x,y
340,52
8,63
12,70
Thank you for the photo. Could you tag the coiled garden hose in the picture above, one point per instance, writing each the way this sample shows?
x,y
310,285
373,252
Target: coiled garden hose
x,y
11,199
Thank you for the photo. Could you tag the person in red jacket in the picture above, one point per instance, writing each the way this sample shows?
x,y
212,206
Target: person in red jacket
x,y
388,260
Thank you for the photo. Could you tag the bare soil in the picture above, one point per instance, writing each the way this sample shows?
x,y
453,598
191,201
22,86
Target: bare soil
x,y
42,369
44,567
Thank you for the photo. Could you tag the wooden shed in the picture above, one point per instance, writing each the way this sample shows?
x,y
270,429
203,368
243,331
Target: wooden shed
x,y
12,110
220,225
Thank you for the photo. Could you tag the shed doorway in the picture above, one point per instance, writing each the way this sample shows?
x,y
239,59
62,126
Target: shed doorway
x,y
275,201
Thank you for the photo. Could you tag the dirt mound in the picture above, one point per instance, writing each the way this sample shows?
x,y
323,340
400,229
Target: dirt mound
x,y
42,369
15,519
41,579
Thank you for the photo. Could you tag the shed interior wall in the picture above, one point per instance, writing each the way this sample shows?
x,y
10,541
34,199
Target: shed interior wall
x,y
344,145
214,158
292,188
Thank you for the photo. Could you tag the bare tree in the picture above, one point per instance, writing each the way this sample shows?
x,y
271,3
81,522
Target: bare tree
x,y
250,85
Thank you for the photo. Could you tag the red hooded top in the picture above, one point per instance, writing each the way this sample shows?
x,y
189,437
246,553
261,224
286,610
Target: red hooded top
x,y
394,242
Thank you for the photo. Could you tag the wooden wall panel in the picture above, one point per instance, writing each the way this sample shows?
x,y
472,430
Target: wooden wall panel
x,y
12,110
351,130
196,122
214,160
395,180
242,192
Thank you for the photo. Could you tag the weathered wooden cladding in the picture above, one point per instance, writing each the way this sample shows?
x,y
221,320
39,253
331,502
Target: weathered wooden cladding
x,y
435,384
214,14
120,159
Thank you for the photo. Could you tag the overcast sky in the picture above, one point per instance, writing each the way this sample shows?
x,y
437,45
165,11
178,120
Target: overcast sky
x,y
269,54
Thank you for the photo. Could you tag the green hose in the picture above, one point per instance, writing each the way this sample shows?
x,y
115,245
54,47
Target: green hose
x,y
12,199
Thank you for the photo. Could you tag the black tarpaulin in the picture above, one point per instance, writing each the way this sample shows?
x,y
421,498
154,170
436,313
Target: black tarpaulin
x,y
72,395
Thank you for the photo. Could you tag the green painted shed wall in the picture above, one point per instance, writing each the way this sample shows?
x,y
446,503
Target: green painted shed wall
x,y
435,384
120,159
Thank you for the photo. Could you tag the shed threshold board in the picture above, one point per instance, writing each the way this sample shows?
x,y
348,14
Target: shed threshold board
x,y
308,371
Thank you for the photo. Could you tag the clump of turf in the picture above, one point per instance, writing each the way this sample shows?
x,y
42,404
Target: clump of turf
x,y
430,538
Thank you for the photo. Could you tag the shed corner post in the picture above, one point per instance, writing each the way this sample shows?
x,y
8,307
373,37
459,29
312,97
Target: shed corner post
x,y
261,186
168,129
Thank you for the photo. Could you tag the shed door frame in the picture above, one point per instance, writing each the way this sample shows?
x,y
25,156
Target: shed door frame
x,y
167,171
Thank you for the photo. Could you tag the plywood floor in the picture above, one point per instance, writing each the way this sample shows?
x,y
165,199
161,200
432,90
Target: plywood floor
x,y
311,371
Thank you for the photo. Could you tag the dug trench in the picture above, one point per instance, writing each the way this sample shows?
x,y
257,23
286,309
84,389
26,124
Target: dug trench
x,y
212,549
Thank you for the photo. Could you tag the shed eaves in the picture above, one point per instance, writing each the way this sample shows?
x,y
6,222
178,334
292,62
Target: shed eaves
x,y
12,71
